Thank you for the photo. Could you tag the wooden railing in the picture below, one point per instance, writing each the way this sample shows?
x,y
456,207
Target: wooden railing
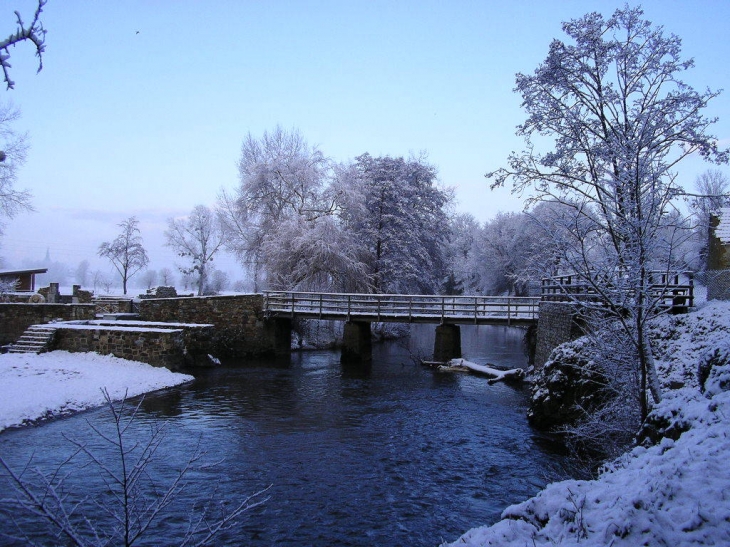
x,y
668,290
401,308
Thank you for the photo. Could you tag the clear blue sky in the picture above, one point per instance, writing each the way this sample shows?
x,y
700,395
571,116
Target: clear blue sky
x,y
142,106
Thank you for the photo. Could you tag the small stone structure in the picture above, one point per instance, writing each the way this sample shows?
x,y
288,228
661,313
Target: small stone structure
x,y
240,329
160,292
169,345
52,295
717,275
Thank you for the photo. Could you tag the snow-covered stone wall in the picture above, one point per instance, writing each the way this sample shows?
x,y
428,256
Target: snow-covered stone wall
x,y
239,327
160,348
15,318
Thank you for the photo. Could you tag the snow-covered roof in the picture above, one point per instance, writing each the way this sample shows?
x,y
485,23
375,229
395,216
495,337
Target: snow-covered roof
x,y
4,273
722,232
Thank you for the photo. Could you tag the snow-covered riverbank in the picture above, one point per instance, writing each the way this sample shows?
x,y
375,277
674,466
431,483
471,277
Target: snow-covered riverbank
x,y
33,386
675,493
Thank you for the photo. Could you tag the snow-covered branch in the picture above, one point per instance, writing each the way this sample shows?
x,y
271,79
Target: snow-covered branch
x,y
34,33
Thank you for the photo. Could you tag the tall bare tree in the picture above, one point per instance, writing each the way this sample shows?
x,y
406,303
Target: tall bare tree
x,y
197,238
126,252
621,120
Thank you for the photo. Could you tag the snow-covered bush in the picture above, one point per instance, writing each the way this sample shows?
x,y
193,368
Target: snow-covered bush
x,y
587,393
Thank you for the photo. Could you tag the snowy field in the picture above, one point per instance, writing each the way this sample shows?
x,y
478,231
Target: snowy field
x,y
34,387
676,493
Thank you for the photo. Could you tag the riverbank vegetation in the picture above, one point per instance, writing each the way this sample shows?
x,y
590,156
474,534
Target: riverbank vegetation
x,y
671,488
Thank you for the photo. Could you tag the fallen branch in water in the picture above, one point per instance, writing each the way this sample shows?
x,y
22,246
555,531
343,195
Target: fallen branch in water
x,y
495,375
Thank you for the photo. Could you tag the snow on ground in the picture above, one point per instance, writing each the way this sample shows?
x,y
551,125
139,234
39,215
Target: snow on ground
x,y
34,386
676,493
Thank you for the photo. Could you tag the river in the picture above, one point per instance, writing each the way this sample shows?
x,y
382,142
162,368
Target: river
x,y
394,455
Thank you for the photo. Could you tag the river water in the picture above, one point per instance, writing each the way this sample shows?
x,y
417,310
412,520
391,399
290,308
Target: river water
x,y
394,455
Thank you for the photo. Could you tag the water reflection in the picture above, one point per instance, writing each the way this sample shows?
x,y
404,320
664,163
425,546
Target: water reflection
x,y
391,455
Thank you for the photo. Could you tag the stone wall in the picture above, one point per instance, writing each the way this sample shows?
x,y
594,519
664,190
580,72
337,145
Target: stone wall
x,y
239,326
108,305
557,324
158,347
15,318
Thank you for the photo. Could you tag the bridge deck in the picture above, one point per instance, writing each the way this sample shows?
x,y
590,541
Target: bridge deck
x,y
397,308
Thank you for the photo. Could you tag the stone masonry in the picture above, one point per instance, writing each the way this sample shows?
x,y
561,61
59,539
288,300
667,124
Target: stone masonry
x,y
557,324
16,318
158,347
239,326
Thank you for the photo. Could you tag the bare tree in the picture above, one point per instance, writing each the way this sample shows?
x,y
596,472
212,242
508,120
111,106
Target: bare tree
x,y
130,502
101,280
621,119
126,252
166,277
197,238
14,148
34,33
149,278
218,282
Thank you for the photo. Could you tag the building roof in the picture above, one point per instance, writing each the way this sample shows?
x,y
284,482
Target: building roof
x,y
4,273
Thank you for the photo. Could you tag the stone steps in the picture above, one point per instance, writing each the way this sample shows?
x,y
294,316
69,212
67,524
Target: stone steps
x,y
35,339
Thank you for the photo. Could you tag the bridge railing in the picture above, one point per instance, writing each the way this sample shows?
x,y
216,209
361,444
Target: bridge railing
x,y
672,290
399,307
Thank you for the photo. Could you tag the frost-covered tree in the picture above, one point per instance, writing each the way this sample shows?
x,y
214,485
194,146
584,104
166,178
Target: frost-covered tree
x,y
196,238
314,255
281,178
33,32
463,229
13,148
126,252
501,255
397,213
621,119
218,281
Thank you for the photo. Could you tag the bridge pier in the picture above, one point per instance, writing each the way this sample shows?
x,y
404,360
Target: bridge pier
x,y
278,335
357,345
447,344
